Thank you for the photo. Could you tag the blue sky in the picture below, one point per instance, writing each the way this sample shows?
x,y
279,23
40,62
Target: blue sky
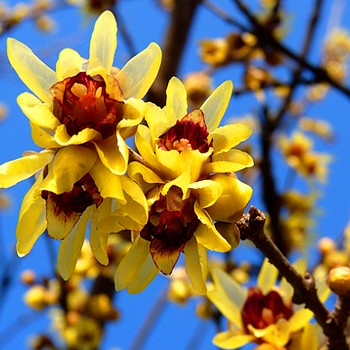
x,y
177,324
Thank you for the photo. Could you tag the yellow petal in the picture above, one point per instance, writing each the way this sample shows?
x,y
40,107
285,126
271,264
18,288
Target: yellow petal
x,y
229,136
108,184
137,76
20,169
42,138
176,101
69,166
38,113
69,64
206,233
32,214
230,232
182,182
99,238
70,247
156,119
103,42
114,153
134,259
32,71
64,139
299,319
196,265
231,340
277,333
267,277
234,198
59,223
206,191
145,275
144,176
228,296
216,104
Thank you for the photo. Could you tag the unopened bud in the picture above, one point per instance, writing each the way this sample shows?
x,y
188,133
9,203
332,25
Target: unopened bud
x,y
339,280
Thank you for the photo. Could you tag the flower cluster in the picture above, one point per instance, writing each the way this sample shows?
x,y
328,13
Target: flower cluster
x,y
179,194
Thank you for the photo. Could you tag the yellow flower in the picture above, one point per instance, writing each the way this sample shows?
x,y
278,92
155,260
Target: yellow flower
x,y
194,198
81,114
261,314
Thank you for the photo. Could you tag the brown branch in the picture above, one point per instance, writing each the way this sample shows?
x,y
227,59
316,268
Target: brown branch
x,y
180,23
251,227
265,35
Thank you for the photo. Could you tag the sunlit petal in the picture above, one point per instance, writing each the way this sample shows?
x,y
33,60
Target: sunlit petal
x,y
176,101
137,76
70,247
267,277
20,169
114,154
206,191
231,340
38,113
196,265
134,259
32,71
216,104
229,136
32,214
68,64
69,166
103,42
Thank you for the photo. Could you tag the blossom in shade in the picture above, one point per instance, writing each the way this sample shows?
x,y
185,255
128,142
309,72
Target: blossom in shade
x,y
263,314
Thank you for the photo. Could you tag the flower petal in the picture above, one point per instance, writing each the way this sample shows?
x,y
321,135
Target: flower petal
x,y
176,101
98,238
230,232
206,233
20,169
299,319
196,265
137,76
206,191
114,153
108,184
70,247
134,259
38,113
216,104
228,296
32,214
69,166
145,275
231,340
229,136
32,71
103,42
69,64
64,139
267,277
42,138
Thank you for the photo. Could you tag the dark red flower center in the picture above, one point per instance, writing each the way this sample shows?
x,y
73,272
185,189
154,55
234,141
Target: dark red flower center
x,y
82,102
171,223
83,194
188,133
260,310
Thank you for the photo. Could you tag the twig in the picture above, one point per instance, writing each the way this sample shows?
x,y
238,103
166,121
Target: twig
x,y
251,227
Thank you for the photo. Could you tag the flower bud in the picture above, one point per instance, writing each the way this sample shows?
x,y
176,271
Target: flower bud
x,y
339,280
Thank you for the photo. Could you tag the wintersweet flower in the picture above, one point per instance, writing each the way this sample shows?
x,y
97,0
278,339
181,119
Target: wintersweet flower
x,y
194,198
264,313
80,115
